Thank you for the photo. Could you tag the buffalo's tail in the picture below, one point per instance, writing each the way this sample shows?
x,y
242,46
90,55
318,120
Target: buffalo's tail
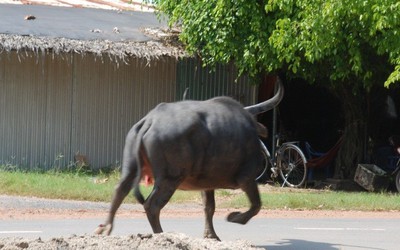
x,y
138,195
139,130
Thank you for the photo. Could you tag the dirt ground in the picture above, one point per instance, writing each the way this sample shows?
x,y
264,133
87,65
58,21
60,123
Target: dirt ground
x,y
195,211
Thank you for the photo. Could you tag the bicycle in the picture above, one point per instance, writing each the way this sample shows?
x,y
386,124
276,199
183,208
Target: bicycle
x,y
289,162
394,161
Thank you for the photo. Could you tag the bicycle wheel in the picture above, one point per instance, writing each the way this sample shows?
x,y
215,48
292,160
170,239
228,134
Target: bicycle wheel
x,y
266,164
292,165
397,179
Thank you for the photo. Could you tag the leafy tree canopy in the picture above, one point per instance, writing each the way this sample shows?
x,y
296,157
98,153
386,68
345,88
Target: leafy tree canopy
x,y
339,40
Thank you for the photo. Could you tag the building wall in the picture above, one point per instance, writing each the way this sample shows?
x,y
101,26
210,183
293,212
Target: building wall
x,y
35,108
53,107
110,99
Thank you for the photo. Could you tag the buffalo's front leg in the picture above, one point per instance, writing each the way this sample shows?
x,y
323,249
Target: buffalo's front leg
x,y
158,198
252,192
209,209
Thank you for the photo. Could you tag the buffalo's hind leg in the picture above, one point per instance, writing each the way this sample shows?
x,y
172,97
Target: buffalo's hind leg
x,y
209,209
158,198
121,191
251,190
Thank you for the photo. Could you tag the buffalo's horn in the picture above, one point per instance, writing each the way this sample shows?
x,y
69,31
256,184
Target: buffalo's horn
x,y
268,104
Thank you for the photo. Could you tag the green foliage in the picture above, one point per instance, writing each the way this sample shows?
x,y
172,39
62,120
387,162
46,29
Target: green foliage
x,y
337,40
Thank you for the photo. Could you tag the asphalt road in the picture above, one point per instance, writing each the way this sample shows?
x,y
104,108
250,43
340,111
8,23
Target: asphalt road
x,y
272,234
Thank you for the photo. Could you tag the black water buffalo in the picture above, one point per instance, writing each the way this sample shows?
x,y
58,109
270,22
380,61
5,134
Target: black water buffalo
x,y
193,145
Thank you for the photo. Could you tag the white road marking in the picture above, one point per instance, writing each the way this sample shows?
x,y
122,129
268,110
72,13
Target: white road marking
x,y
20,232
340,229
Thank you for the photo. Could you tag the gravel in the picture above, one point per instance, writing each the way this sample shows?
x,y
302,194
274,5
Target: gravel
x,y
167,241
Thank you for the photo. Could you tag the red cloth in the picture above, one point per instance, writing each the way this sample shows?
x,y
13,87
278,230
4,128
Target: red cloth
x,y
326,158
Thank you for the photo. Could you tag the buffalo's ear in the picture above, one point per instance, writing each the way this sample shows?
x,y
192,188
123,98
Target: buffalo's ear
x,y
262,131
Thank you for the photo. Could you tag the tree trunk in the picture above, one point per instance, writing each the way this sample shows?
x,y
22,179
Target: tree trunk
x,y
353,149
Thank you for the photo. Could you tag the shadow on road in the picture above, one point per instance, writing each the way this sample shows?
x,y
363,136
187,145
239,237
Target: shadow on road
x,y
295,244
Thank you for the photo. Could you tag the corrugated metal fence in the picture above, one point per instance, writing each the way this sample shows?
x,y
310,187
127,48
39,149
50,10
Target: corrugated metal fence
x,y
53,107
205,83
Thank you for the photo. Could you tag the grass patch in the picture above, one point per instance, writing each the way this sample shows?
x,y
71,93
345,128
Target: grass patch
x,y
72,186
56,185
323,200
75,185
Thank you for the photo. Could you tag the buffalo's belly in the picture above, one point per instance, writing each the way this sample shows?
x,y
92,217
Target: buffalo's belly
x,y
208,184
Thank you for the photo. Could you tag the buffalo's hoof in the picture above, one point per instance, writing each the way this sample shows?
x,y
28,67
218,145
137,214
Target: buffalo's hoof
x,y
103,229
212,236
238,217
145,236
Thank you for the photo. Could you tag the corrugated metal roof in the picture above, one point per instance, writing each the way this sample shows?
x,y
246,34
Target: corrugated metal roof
x,y
98,4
